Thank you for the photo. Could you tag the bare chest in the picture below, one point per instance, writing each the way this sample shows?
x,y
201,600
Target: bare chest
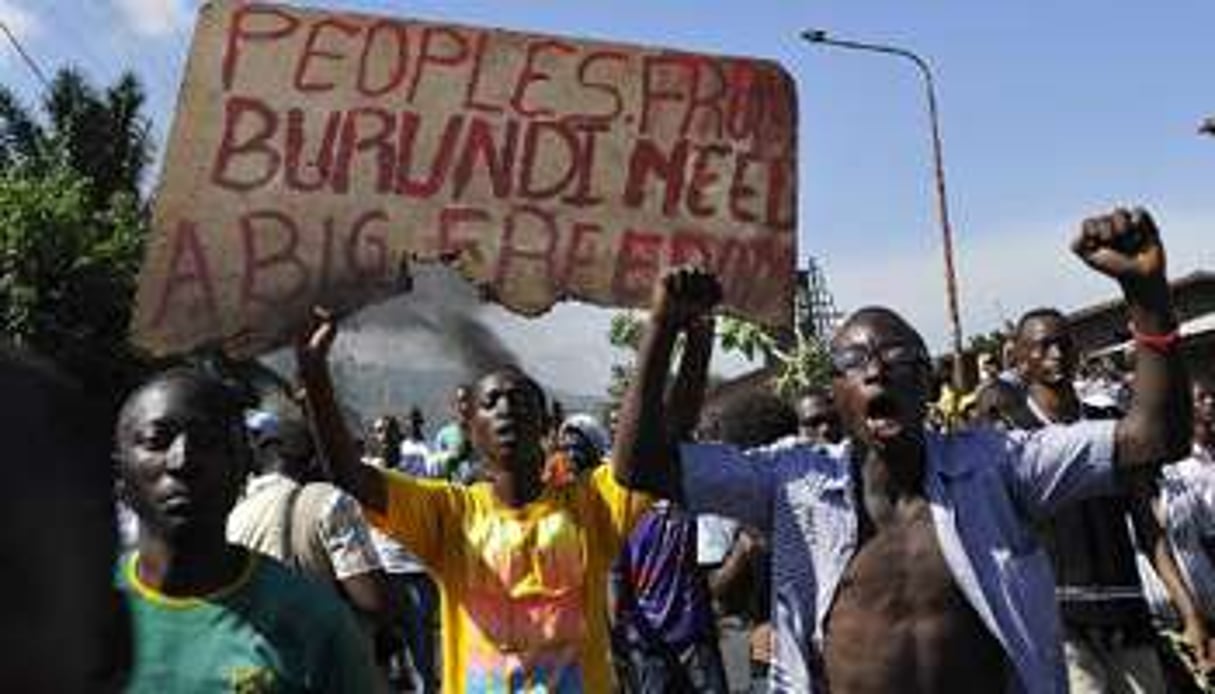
x,y
900,623
900,571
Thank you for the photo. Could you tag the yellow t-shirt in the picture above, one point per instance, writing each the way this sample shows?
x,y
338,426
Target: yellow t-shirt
x,y
524,590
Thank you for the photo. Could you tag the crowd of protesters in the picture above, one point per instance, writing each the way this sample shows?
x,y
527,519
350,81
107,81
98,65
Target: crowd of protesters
x,y
1049,530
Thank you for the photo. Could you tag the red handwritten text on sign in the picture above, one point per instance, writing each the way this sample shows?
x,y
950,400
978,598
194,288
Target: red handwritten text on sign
x,y
311,151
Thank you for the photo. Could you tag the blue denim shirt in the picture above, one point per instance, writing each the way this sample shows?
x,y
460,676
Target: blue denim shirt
x,y
985,489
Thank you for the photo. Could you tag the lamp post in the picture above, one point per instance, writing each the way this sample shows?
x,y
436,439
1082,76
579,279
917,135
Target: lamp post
x,y
1208,127
951,280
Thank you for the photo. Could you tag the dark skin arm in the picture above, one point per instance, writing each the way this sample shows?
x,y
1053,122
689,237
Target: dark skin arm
x,y
736,566
1149,532
687,395
642,456
1125,245
1148,520
368,593
334,442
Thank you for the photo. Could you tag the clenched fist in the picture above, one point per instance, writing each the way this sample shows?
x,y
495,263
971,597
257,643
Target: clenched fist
x,y
684,295
1123,244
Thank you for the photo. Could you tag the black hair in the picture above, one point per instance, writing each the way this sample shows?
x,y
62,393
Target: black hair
x,y
749,419
218,396
517,372
1040,313
880,313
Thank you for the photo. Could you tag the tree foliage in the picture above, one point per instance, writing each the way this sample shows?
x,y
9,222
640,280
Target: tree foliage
x,y
803,365
800,366
67,273
100,134
72,225
992,342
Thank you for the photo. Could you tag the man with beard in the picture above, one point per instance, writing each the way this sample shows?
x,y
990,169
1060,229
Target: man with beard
x,y
907,562
1108,640
209,615
522,567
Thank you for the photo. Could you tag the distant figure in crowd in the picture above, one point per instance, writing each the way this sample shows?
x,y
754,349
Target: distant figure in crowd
x,y
989,368
522,567
817,420
208,615
416,456
310,526
581,446
1108,639
664,636
1185,506
736,556
407,645
65,627
1001,404
384,443
908,561
453,450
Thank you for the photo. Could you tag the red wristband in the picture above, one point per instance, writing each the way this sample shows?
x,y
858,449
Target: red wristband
x,y
1161,344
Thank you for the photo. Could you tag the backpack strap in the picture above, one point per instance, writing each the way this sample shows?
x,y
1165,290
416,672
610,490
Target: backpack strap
x,y
287,532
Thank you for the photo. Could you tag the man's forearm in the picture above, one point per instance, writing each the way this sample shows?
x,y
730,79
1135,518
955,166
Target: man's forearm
x,y
725,578
1147,521
1157,427
335,445
642,457
687,394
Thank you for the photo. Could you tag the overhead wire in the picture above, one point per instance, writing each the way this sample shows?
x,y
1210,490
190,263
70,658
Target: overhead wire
x,y
25,56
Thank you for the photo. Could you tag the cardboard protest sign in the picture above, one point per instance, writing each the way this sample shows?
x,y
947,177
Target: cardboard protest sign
x,y
314,153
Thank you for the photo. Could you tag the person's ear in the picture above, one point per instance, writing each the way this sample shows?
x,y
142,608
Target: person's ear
x,y
122,491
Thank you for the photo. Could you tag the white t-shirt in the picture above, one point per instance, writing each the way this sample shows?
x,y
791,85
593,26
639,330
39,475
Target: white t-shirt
x,y
329,536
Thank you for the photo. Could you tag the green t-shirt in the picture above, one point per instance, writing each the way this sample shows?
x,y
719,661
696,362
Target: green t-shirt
x,y
271,630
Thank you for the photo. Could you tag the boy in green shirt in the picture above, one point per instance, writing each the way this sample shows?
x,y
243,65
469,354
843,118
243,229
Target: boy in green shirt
x,y
209,616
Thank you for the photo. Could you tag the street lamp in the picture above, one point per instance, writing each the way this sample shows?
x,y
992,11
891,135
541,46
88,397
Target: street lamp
x,y
951,281
1208,126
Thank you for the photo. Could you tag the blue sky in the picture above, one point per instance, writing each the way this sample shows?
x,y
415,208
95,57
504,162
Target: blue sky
x,y
1050,111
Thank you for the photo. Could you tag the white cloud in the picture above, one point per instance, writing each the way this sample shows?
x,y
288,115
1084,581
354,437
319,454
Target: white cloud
x,y
154,18
20,21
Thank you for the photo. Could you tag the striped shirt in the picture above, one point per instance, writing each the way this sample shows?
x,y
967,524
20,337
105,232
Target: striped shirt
x,y
1000,484
1187,496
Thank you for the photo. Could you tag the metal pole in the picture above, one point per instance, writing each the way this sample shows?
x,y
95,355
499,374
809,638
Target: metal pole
x,y
951,280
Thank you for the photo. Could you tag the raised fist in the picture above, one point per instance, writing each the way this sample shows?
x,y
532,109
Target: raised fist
x,y
684,295
1123,244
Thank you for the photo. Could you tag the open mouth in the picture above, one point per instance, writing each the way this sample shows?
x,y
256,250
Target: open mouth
x,y
882,417
176,505
506,435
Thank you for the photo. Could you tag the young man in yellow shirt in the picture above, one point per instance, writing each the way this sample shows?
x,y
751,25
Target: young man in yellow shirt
x,y
522,567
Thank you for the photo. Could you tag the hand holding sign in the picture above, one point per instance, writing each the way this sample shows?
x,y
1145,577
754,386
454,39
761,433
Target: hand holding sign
x,y
314,342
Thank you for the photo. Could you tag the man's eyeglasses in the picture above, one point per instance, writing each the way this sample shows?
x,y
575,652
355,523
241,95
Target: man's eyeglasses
x,y
856,357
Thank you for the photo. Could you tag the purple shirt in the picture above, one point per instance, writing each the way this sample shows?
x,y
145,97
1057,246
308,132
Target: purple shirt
x,y
659,588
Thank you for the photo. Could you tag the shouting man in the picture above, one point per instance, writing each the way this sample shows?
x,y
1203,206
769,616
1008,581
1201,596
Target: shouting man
x,y
907,561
